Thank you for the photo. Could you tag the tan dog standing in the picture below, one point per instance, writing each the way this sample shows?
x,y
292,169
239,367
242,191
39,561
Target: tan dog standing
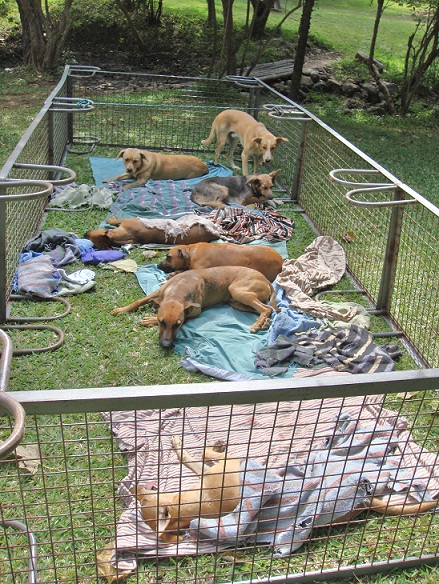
x,y
144,165
134,231
198,256
216,494
185,295
233,126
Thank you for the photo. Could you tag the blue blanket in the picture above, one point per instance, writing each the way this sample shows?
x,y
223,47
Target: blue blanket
x,y
165,197
219,342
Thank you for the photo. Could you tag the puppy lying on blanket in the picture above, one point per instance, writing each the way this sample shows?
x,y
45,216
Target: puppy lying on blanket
x,y
185,295
217,493
198,256
242,190
187,229
143,165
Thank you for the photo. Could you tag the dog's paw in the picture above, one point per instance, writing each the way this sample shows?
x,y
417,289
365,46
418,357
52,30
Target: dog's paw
x,y
176,442
219,446
116,311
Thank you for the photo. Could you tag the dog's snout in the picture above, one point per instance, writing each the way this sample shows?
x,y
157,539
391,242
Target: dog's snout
x,y
166,343
165,267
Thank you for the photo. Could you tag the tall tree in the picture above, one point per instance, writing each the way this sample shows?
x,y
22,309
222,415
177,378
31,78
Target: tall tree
x,y
44,32
299,57
422,51
261,12
228,52
381,5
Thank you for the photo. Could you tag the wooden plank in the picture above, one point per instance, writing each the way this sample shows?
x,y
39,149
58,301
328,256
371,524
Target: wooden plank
x,y
275,70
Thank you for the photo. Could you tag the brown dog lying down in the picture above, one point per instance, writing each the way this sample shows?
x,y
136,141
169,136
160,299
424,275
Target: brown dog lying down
x,y
198,256
143,165
217,494
233,126
187,229
186,294
242,190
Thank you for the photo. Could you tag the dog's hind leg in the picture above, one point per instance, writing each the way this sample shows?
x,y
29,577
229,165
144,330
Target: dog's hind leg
x,y
232,141
248,301
196,466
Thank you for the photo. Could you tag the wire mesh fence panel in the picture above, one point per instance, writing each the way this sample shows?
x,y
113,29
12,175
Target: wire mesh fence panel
x,y
316,487
307,487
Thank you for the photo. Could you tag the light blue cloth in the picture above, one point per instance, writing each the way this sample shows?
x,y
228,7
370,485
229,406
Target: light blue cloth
x,y
219,342
104,168
288,321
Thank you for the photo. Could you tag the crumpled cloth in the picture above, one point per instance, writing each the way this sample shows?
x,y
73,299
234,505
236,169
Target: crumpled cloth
x,y
338,481
352,350
240,224
174,228
74,196
321,265
287,438
59,244
96,256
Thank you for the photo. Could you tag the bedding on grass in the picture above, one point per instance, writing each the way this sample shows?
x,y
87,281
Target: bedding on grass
x,y
332,458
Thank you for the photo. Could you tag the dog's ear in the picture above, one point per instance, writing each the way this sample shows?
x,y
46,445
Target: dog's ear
x,y
279,140
154,302
163,519
121,153
275,173
184,254
191,308
257,140
142,155
253,180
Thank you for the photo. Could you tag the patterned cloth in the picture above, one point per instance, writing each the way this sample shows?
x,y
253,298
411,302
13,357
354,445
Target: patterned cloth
x,y
240,224
321,265
351,350
285,438
338,481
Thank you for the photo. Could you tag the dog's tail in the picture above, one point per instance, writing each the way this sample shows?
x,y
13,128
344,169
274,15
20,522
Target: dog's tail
x,y
211,136
273,302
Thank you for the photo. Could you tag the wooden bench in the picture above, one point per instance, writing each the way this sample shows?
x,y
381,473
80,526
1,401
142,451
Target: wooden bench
x,y
270,71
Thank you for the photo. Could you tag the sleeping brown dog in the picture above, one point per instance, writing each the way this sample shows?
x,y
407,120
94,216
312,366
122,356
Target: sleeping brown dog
x,y
242,190
143,165
188,229
198,256
185,295
217,493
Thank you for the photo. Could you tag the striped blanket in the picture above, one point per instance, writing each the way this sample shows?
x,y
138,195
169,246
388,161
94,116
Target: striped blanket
x,y
330,459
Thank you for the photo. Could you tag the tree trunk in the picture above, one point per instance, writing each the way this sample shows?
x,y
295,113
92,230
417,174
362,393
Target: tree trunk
x,y
419,59
299,58
211,13
261,12
44,38
370,63
228,65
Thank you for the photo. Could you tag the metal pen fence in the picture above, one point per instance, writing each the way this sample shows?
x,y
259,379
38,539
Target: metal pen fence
x,y
64,487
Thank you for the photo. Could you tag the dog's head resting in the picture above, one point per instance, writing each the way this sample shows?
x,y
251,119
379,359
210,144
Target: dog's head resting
x,y
155,508
133,159
171,314
177,259
262,184
99,238
266,144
